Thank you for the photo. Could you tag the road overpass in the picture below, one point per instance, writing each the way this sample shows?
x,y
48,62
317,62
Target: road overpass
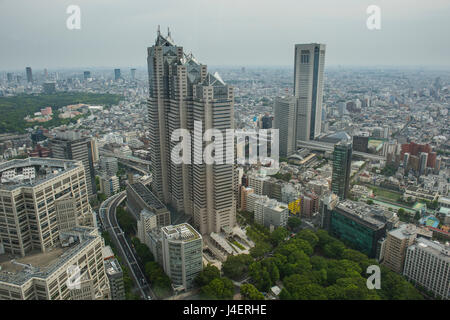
x,y
109,222
325,146
140,165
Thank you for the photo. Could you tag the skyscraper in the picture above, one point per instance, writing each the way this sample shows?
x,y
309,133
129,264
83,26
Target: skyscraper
x,y
9,76
133,74
86,75
70,145
116,74
285,110
342,160
29,74
308,88
266,121
423,163
184,94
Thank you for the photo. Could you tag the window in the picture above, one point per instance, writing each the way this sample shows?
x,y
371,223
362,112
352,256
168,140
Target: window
x,y
304,57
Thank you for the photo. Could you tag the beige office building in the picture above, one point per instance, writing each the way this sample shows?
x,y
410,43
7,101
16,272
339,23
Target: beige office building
x,y
50,275
397,242
28,215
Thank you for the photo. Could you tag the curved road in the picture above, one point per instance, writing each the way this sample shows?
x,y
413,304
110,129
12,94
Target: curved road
x,y
110,224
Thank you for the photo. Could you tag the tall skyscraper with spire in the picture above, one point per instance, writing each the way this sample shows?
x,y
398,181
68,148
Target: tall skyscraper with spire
x,y
182,93
308,89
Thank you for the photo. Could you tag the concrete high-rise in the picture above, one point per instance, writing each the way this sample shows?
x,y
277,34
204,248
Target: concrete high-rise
x,y
116,74
72,146
35,197
423,158
29,74
182,248
285,111
115,276
397,241
109,166
309,65
133,74
342,161
183,93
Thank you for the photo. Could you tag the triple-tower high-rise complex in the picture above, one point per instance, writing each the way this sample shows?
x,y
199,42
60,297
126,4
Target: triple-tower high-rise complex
x,y
183,93
308,89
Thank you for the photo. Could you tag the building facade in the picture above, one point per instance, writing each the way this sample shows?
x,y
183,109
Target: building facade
x,y
45,276
397,242
183,95
71,146
358,223
342,161
182,248
285,115
309,63
28,207
427,263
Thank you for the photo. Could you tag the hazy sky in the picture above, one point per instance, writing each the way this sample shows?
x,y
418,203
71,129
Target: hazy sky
x,y
223,32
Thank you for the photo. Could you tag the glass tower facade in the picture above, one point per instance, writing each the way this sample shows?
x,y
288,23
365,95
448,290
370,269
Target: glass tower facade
x,y
342,160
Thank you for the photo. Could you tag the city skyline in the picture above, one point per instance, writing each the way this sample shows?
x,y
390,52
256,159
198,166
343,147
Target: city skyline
x,y
156,183
104,38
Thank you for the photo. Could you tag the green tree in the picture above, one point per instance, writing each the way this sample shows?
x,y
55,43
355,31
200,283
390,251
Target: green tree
x,y
342,269
159,281
294,223
236,267
218,289
260,249
249,292
417,216
208,274
142,250
126,221
357,257
395,287
334,249
300,287
308,235
278,235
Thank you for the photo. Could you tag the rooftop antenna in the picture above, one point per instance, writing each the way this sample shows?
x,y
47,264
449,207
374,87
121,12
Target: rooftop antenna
x,y
168,32
159,30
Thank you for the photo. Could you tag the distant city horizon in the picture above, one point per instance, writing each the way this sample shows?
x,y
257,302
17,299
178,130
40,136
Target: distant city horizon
x,y
250,67
121,34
